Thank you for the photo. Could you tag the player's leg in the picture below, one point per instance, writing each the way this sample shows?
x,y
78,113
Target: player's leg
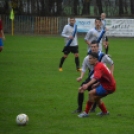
x,y
89,104
101,92
94,96
1,44
80,96
75,51
63,59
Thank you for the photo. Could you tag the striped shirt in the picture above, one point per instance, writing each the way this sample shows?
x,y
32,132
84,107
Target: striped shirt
x,y
94,34
67,32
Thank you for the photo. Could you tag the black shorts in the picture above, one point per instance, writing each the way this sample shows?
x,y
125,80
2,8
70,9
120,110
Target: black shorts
x,y
72,49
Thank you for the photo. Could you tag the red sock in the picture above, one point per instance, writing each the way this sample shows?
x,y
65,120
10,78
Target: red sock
x,y
88,106
103,107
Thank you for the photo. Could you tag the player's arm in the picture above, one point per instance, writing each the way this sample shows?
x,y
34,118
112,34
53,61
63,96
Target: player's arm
x,y
87,38
84,68
105,42
81,76
108,61
65,32
3,35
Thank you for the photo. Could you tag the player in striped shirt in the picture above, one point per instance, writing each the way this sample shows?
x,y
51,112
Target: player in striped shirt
x,y
97,33
71,44
103,20
2,36
105,85
87,66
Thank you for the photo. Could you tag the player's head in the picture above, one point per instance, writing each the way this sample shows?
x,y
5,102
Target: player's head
x,y
93,58
98,22
103,16
94,46
72,21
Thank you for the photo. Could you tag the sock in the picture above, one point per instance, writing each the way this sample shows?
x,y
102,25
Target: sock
x,y
61,62
77,62
106,50
88,106
80,100
94,106
103,107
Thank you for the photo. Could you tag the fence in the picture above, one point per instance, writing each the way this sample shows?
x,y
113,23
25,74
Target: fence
x,y
35,24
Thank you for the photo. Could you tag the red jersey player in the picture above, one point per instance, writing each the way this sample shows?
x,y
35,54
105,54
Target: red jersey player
x,y
105,85
2,36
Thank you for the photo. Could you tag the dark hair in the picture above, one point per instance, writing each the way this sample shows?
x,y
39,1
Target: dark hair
x,y
94,54
71,17
94,42
98,18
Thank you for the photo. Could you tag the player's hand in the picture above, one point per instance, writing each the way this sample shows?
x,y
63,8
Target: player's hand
x,y
84,86
79,79
71,37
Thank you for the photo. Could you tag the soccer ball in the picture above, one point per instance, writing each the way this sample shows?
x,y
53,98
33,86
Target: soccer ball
x,y
22,119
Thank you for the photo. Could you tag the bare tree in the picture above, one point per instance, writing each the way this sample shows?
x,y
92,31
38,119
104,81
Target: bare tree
x,y
75,4
99,5
121,7
132,6
86,6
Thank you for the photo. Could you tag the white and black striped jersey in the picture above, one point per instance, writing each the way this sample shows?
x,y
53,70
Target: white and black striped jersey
x,y
94,34
67,32
104,59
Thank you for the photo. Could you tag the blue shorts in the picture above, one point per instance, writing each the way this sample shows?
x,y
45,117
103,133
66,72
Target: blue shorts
x,y
1,42
101,91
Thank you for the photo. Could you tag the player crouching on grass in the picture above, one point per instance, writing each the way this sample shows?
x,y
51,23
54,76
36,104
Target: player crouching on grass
x,y
106,85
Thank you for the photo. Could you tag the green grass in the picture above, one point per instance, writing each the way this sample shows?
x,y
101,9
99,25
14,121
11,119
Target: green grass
x,y
30,83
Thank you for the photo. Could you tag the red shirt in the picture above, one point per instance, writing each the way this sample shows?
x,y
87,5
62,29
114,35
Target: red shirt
x,y
0,28
103,74
0,25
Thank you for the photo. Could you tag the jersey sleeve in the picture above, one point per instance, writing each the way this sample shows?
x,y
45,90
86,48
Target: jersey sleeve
x,y
88,35
65,31
84,64
97,73
107,60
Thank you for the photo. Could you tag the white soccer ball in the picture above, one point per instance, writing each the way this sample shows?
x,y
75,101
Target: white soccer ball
x,y
22,119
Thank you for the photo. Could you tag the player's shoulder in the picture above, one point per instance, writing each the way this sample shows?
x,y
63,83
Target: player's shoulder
x,y
91,30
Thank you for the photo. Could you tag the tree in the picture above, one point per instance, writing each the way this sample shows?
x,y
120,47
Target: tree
x,y
86,6
99,5
132,6
121,7
75,4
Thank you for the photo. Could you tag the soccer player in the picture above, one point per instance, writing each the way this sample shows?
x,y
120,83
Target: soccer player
x,y
97,33
87,66
70,34
105,85
2,36
103,20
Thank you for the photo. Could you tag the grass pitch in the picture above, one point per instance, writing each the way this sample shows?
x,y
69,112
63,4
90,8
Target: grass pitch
x,y
31,83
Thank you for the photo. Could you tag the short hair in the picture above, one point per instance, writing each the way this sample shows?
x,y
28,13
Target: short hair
x,y
94,54
94,42
98,18
71,17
